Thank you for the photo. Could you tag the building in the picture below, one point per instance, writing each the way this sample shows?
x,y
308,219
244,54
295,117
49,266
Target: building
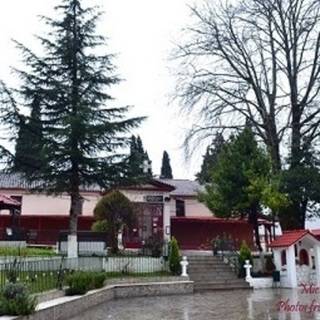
x,y
167,207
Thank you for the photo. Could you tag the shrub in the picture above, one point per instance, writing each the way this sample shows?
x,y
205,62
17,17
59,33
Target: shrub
x,y
118,210
81,282
154,245
174,257
17,300
244,254
78,283
98,280
100,226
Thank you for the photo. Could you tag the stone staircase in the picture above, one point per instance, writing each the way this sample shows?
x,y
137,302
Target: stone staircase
x,y
211,273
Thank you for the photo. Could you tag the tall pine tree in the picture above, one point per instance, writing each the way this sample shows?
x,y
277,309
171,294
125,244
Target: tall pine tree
x,y
83,134
210,159
239,180
166,171
29,145
137,159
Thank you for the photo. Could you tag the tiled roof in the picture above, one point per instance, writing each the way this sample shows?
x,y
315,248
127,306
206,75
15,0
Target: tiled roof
x,y
212,219
290,237
17,181
183,187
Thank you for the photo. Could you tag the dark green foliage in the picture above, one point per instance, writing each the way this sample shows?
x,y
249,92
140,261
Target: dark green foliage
x,y
16,299
166,171
100,226
136,160
118,211
302,183
241,181
98,279
174,257
78,283
210,159
81,282
83,132
244,254
154,245
30,143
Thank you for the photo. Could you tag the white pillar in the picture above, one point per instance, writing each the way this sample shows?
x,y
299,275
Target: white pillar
x,y
248,266
291,267
184,264
72,246
277,258
316,250
166,219
120,239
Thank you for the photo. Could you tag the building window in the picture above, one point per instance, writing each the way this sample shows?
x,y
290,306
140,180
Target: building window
x,y
303,257
283,258
180,208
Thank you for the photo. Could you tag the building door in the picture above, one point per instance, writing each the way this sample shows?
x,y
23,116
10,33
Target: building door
x,y
149,223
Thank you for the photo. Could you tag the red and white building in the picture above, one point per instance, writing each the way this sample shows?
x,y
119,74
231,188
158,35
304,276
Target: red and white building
x,y
168,207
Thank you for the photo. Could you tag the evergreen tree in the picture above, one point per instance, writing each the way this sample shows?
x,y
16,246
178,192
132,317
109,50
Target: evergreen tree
x,y
210,159
29,145
166,171
136,161
241,181
83,135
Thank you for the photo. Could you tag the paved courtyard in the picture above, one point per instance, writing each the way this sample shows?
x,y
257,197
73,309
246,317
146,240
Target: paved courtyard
x,y
218,305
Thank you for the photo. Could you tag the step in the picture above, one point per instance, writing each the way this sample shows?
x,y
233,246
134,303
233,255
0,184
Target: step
x,y
209,268
205,267
204,258
197,277
222,285
215,272
208,265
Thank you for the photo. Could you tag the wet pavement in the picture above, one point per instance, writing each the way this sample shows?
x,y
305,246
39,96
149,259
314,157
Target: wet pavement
x,y
268,304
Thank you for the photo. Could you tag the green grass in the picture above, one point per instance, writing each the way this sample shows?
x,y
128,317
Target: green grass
x,y
39,281
26,252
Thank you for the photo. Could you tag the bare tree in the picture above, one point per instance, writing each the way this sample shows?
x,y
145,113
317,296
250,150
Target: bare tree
x,y
255,60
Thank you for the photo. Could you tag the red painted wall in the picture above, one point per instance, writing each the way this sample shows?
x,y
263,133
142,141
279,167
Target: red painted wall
x,y
197,233
190,233
44,229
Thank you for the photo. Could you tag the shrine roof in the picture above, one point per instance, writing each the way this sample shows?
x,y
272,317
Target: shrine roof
x,y
289,238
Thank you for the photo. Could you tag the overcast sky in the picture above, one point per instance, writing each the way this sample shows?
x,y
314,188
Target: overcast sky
x,y
142,33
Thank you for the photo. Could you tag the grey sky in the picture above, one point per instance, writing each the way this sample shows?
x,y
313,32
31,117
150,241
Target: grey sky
x,y
142,33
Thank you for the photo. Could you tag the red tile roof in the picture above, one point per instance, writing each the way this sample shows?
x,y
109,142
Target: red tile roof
x,y
290,237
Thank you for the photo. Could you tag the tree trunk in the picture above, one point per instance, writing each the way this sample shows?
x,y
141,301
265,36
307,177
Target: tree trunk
x,y
75,212
114,239
253,220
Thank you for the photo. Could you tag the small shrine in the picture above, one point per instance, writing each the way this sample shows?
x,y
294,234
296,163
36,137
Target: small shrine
x,y
297,258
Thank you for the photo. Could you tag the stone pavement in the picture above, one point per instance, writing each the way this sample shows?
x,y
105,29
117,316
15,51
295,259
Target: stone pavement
x,y
214,305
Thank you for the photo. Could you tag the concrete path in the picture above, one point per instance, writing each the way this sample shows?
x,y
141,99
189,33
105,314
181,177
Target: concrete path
x,y
215,305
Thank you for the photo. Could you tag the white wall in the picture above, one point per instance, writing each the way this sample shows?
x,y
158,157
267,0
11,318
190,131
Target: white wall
x,y
193,208
39,204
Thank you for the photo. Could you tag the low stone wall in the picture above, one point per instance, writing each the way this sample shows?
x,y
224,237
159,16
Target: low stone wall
x,y
261,283
67,307
13,244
